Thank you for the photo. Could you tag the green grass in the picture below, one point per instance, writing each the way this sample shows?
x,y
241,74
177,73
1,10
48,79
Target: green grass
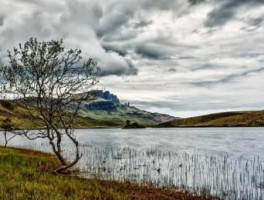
x,y
26,174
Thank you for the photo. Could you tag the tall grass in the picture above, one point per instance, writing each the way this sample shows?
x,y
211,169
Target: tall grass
x,y
222,176
218,175
26,175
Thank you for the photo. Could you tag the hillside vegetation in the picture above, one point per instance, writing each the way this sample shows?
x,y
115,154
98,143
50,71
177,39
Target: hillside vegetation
x,y
227,119
121,113
25,174
103,109
20,118
88,118
105,106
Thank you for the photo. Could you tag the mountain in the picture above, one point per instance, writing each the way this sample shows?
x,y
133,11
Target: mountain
x,y
106,106
105,110
226,119
102,110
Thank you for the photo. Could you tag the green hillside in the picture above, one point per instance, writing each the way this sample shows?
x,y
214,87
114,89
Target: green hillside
x,y
227,119
121,113
21,119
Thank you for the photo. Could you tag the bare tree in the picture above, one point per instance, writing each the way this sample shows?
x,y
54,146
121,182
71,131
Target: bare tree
x,y
49,81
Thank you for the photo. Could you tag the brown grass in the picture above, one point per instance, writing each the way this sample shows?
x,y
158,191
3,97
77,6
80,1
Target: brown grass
x,y
228,119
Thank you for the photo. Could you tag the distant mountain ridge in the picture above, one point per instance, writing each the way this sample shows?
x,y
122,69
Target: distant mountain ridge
x,y
106,106
120,113
103,106
105,95
101,100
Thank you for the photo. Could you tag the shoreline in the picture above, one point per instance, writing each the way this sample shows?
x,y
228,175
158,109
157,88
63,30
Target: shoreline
x,y
150,127
122,189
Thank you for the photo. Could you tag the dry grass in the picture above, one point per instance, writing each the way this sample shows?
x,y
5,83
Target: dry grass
x,y
228,119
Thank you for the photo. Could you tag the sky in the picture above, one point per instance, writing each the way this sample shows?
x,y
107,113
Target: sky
x,y
180,57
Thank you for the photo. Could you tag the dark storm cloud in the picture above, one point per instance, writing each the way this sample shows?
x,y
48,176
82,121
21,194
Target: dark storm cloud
x,y
186,57
194,2
2,18
1,63
227,78
123,11
115,48
255,21
142,24
153,51
172,70
226,10
252,24
161,4
203,66
132,70
114,22
76,22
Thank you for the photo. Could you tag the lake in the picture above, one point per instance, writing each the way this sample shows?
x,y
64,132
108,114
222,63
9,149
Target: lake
x,y
226,162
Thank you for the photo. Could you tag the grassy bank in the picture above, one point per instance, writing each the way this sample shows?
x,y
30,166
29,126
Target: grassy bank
x,y
25,174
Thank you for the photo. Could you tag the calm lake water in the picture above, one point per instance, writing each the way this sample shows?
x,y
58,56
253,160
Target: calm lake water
x,y
246,142
226,162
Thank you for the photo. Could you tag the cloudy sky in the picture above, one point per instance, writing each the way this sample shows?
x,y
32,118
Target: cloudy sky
x,y
181,57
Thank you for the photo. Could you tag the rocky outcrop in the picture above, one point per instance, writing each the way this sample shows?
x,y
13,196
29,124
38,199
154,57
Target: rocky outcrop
x,y
106,95
102,101
100,105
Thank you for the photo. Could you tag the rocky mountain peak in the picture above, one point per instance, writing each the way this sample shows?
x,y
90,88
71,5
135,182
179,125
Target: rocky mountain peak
x,y
106,95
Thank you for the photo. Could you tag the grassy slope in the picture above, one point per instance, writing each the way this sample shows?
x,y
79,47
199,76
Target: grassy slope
x,y
20,117
122,114
24,174
228,119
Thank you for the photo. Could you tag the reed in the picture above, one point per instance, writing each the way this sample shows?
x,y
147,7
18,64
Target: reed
x,y
218,175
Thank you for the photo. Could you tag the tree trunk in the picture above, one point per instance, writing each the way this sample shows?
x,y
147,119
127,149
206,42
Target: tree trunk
x,y
66,165
6,140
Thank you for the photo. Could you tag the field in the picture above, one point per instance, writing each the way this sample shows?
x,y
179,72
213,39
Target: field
x,y
227,119
26,174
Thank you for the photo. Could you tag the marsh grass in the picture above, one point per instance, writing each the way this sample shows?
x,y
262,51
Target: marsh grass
x,y
221,175
218,175
26,174
207,175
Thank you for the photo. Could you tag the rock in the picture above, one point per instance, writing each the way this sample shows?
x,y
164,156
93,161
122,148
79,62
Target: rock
x,y
106,95
100,105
